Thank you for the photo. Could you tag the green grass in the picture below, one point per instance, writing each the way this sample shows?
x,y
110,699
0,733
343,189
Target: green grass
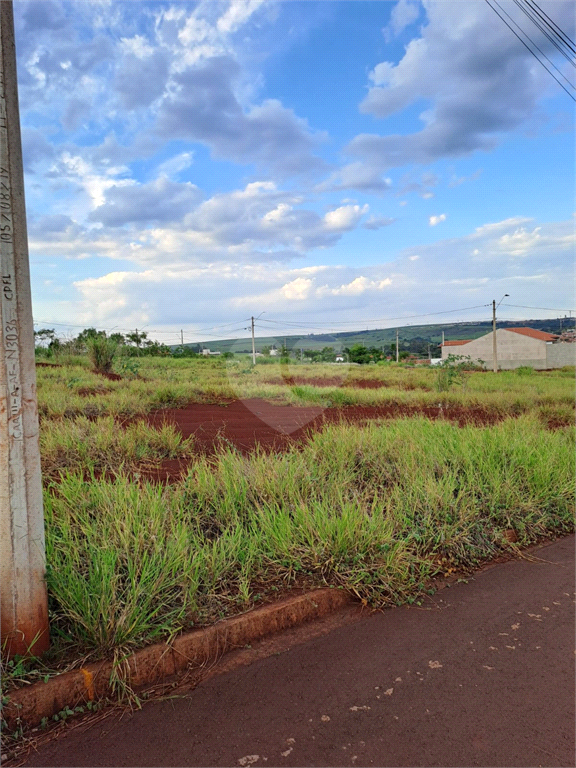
x,y
70,391
374,510
377,510
102,446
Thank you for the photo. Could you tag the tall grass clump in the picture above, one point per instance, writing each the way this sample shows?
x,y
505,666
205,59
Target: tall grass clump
x,y
101,353
101,445
375,510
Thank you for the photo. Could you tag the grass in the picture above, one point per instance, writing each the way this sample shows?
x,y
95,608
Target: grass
x,y
377,510
374,510
70,391
100,446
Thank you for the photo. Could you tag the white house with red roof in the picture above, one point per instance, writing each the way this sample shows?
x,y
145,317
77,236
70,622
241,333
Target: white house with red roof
x,y
515,347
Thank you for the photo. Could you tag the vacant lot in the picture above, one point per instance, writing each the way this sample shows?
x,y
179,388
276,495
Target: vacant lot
x,y
190,490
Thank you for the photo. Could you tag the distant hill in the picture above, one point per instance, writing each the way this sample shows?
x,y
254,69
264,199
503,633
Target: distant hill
x,y
425,334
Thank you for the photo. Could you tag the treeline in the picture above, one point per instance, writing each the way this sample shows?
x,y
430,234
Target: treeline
x,y
137,344
133,344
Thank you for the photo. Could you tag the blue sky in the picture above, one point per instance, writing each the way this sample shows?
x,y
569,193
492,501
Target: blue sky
x,y
331,164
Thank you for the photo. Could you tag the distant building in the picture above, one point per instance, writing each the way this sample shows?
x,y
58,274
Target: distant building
x,y
516,347
274,352
206,352
339,358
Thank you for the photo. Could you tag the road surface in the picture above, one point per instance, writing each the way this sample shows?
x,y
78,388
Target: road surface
x,y
481,674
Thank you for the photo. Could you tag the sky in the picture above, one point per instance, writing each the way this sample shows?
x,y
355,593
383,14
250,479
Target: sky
x,y
323,166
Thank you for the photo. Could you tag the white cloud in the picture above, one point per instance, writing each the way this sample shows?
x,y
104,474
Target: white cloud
x,y
298,289
445,276
377,222
167,220
237,13
479,82
404,13
344,218
434,220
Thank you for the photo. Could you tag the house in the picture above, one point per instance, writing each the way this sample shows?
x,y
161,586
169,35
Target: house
x,y
515,347
206,352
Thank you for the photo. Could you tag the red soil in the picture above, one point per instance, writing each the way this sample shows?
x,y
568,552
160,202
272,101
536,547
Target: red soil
x,y
109,375
247,424
343,382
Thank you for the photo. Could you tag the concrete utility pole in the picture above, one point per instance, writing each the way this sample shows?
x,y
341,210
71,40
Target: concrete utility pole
x,y
397,350
24,604
181,338
494,343
253,344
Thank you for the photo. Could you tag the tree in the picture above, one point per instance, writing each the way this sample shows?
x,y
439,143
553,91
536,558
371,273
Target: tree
x,y
45,336
118,338
87,334
137,338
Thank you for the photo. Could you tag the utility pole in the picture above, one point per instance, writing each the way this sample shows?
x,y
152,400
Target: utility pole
x,y
181,338
24,603
253,344
397,350
494,343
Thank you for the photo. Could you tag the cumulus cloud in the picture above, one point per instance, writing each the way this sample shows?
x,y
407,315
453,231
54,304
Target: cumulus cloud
x,y
404,13
142,79
158,202
344,218
204,107
360,176
434,220
509,256
169,221
476,79
377,222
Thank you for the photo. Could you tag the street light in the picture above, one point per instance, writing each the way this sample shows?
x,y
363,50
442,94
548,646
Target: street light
x,y
494,347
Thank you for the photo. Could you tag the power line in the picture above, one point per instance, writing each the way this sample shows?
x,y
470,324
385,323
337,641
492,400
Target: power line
x,y
551,24
549,309
378,319
557,42
530,49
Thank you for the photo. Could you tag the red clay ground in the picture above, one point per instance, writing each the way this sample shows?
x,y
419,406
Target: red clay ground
x,y
343,381
247,424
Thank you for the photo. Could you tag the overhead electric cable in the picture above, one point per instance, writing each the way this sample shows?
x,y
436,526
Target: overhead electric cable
x,y
553,38
551,24
531,51
380,319
549,309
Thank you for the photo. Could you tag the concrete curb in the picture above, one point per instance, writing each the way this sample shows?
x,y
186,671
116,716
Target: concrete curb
x,y
157,662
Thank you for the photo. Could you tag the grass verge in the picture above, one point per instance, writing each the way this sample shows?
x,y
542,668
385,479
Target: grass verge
x,y
376,510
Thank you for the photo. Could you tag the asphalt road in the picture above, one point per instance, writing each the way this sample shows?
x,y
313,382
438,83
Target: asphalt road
x,y
482,674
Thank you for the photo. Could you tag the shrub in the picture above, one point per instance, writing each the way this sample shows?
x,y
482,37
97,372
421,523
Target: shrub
x,y
101,353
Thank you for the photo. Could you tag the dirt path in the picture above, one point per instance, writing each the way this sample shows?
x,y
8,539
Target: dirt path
x,y
246,424
481,674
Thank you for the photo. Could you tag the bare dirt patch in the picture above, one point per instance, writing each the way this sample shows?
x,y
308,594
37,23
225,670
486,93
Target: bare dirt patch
x,y
250,424
300,381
